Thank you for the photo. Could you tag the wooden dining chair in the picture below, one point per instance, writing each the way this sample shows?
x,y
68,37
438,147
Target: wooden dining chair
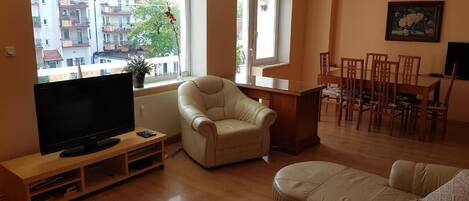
x,y
440,109
410,70
351,85
384,78
370,57
410,67
331,92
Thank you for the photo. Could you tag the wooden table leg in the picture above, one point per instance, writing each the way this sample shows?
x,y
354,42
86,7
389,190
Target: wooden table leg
x,y
436,99
423,135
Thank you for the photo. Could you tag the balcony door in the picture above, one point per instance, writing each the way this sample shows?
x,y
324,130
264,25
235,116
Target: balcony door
x,y
66,34
78,16
80,36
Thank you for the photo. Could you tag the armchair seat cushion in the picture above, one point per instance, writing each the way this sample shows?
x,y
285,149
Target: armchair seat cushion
x,y
235,133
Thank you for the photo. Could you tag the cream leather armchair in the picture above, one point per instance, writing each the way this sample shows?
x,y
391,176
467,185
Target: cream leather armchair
x,y
220,124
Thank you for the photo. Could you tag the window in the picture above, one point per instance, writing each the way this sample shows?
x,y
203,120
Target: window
x,y
263,33
69,62
52,64
80,60
266,31
120,29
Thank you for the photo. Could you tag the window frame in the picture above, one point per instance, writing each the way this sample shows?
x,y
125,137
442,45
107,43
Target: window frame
x,y
185,44
253,5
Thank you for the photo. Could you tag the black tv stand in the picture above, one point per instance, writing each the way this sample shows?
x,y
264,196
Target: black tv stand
x,y
90,148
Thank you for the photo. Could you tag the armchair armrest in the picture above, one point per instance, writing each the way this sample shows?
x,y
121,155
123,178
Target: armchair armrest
x,y
198,121
252,111
265,117
420,178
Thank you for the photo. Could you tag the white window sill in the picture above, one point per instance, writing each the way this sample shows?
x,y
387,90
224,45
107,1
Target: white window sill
x,y
268,66
159,86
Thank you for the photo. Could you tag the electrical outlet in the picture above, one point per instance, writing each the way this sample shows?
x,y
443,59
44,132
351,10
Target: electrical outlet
x,y
10,51
142,110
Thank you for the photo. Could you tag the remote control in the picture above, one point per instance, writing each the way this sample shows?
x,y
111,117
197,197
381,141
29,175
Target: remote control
x,y
146,133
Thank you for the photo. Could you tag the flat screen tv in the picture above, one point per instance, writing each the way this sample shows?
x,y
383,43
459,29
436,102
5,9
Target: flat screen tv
x,y
458,53
82,115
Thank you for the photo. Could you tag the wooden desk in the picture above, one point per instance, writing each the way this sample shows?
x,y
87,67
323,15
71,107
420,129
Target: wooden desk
x,y
297,107
417,85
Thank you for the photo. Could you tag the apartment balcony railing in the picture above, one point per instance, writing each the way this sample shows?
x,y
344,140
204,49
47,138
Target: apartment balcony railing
x,y
75,43
116,10
37,21
73,4
117,28
122,46
74,22
38,42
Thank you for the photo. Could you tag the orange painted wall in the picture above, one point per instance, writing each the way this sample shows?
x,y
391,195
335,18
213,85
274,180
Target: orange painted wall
x,y
318,32
360,27
293,69
18,135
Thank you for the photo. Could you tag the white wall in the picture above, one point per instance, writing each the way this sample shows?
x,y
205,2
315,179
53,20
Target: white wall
x,y
158,112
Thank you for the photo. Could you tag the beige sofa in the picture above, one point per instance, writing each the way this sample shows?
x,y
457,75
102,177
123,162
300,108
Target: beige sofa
x,y
327,181
220,124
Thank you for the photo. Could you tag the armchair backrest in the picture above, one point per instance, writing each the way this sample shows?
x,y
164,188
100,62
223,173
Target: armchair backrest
x,y
215,97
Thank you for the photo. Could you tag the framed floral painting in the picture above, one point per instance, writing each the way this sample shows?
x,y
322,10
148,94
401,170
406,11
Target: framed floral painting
x,y
414,21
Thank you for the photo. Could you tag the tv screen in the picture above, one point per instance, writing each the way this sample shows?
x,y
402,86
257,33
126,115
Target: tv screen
x,y
458,53
76,112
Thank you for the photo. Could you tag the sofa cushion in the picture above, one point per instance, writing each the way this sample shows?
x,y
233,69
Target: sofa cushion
x,y
350,184
235,133
296,181
325,181
457,189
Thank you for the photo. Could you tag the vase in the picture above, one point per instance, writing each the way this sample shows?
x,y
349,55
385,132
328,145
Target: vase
x,y
139,81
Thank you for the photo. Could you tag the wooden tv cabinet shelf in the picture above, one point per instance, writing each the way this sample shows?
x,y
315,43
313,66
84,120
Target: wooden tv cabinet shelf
x,y
25,177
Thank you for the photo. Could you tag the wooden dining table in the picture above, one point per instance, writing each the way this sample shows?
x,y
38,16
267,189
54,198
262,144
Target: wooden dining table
x,y
420,85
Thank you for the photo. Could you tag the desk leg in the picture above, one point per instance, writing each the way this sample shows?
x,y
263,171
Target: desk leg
x,y
436,98
423,135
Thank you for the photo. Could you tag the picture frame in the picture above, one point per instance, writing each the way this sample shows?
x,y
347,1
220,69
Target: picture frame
x,y
414,21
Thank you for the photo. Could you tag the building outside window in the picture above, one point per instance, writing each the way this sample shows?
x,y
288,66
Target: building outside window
x,y
105,33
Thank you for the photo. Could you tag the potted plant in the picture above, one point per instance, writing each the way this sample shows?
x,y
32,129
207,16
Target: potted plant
x,y
139,68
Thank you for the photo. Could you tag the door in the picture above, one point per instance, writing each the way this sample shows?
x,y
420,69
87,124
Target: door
x,y
80,37
66,34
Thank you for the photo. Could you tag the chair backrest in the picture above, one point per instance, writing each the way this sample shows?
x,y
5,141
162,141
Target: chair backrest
x,y
384,77
352,73
410,66
325,65
370,57
453,77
